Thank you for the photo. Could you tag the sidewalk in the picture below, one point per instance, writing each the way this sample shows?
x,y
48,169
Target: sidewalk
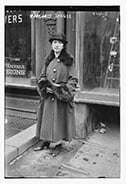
x,y
19,143
97,157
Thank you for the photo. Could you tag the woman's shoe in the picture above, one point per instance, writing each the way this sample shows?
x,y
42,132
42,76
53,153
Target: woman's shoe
x,y
55,151
42,146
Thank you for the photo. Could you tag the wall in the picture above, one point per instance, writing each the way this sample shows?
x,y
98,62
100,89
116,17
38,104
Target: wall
x,y
85,120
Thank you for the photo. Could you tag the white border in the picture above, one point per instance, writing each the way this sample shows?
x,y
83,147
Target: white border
x,y
123,89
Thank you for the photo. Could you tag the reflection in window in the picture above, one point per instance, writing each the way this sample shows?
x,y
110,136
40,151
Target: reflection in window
x,y
101,50
18,43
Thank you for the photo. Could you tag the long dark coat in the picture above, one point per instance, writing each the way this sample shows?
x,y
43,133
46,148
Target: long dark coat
x,y
56,119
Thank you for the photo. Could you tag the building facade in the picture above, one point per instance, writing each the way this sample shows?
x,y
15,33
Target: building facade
x,y
94,41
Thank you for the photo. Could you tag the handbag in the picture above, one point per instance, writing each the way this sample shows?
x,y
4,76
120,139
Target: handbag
x,y
61,91
63,94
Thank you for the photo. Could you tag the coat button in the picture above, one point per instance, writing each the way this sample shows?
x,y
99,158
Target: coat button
x,y
54,70
53,80
58,60
53,99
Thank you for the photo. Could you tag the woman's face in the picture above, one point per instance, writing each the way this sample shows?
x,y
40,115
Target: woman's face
x,y
57,46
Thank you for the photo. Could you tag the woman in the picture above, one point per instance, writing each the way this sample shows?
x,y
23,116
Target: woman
x,y
57,83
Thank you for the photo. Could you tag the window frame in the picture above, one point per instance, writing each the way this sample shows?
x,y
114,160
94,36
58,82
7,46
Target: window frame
x,y
93,95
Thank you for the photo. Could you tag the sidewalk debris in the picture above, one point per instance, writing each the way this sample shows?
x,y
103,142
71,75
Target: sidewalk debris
x,y
102,128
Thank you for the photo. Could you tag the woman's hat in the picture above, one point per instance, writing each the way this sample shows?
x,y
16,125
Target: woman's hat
x,y
58,36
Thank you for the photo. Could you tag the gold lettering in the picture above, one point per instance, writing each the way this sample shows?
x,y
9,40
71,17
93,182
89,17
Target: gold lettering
x,y
20,18
9,19
14,18
15,72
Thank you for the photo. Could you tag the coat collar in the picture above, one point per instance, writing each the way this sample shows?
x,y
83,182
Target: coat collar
x,y
64,57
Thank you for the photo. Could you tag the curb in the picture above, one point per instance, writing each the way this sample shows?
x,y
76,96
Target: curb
x,y
19,143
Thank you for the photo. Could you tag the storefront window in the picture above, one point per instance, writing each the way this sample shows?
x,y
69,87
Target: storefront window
x,y
17,45
101,51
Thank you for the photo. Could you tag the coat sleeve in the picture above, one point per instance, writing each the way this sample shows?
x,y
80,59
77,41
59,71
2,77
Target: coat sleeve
x,y
42,82
72,79
42,74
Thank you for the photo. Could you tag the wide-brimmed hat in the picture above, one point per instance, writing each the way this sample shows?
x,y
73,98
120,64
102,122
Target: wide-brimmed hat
x,y
58,36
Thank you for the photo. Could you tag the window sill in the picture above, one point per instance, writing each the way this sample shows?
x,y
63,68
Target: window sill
x,y
98,97
23,83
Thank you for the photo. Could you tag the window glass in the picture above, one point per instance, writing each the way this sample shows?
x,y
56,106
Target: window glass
x,y
17,44
101,51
